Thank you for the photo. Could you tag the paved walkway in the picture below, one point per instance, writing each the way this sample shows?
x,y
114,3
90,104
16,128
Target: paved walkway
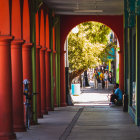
x,y
94,121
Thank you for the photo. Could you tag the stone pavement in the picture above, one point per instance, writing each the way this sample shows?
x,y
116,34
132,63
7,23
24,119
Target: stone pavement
x,y
93,121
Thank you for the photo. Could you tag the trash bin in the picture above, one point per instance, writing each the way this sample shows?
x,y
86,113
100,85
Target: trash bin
x,y
75,89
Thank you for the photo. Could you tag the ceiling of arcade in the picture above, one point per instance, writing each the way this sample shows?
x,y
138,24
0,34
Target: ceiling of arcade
x,y
86,7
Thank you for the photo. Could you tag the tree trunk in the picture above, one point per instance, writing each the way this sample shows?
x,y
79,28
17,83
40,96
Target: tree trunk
x,y
75,74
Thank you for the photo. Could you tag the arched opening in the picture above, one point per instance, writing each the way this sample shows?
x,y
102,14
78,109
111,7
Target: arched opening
x,y
69,22
91,46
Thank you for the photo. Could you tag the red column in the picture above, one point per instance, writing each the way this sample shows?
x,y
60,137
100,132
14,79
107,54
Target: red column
x,y
27,66
27,63
62,80
17,85
54,75
17,73
48,85
6,118
43,81
39,114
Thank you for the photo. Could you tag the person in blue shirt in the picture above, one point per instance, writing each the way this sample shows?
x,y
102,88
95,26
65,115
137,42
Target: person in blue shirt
x,y
116,97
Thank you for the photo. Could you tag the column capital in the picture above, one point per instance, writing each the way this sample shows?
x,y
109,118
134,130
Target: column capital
x,y
17,43
5,39
27,45
48,50
43,49
38,47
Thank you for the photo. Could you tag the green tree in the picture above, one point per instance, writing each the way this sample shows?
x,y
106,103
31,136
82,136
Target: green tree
x,y
86,48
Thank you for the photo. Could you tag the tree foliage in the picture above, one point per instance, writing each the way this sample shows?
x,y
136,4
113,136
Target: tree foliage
x,y
86,48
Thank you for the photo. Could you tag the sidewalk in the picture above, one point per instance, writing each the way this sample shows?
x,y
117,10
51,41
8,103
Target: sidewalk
x,y
94,121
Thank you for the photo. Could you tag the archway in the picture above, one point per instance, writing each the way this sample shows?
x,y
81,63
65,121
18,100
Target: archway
x,y
84,56
67,23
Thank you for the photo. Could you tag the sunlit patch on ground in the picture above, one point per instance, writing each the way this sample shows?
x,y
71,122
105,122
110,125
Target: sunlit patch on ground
x,y
93,97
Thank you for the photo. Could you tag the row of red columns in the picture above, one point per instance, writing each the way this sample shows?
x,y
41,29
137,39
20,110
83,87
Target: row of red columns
x,y
16,65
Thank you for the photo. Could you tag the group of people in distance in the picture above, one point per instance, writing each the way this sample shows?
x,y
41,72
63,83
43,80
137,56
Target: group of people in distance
x,y
102,76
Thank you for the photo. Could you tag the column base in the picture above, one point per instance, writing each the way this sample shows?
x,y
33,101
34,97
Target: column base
x,y
33,123
7,136
44,112
40,116
18,128
55,105
49,108
63,104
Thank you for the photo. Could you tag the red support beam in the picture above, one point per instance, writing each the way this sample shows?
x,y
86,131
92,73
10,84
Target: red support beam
x,y
54,68
17,85
39,114
47,62
43,81
27,66
6,111
4,17
48,85
17,73
62,80
6,117
42,63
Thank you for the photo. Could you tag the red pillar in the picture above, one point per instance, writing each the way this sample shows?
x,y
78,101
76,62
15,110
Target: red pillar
x,y
48,85
47,61
17,73
54,75
17,85
54,68
62,80
43,81
39,114
6,118
27,65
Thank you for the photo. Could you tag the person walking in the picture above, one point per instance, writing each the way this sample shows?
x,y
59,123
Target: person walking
x,y
110,77
106,79
102,78
95,78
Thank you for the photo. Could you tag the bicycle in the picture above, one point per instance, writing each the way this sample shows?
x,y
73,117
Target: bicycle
x,y
27,103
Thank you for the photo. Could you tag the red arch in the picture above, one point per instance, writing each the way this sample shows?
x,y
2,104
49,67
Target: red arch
x,y
114,22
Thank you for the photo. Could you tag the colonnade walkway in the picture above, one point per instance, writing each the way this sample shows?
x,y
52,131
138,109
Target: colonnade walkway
x,y
90,119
